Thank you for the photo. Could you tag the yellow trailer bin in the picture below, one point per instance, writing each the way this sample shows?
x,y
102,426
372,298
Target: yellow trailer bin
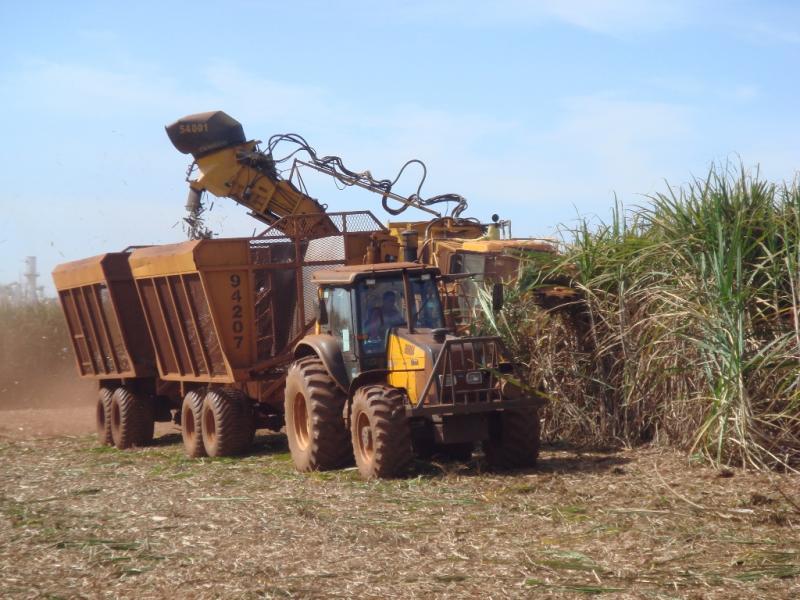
x,y
105,319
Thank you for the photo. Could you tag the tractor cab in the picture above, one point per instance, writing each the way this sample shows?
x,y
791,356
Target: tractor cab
x,y
361,305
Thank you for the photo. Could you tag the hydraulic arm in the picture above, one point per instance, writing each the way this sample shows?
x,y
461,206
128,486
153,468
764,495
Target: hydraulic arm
x,y
228,164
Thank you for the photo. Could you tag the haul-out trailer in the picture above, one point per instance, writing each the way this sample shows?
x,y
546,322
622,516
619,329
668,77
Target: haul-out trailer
x,y
163,327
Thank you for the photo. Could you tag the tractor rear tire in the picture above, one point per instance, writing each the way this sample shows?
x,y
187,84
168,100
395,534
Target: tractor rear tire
x,y
315,425
227,422
517,443
132,418
191,423
103,417
380,432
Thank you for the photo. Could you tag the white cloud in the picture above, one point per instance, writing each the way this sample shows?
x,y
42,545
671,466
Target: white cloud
x,y
617,16
611,17
251,97
774,34
746,92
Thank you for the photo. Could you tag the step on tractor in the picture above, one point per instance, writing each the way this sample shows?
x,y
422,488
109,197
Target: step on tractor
x,y
383,378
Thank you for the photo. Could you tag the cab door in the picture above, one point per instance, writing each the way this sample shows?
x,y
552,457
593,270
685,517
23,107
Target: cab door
x,y
340,326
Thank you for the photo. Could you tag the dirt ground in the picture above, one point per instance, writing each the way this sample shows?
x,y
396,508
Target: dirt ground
x,y
78,520
33,423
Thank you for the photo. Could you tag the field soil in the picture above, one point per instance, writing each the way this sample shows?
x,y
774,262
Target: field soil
x,y
79,520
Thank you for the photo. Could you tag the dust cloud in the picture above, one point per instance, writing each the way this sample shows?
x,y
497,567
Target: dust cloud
x,y
42,404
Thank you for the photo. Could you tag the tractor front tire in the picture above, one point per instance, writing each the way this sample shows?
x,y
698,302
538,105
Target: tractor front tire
x,y
103,417
380,432
315,426
132,418
227,422
191,423
516,444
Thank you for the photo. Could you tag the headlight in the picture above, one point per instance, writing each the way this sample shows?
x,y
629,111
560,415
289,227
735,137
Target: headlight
x,y
446,380
474,377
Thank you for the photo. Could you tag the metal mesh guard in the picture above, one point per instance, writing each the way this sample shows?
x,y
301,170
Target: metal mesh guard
x,y
302,226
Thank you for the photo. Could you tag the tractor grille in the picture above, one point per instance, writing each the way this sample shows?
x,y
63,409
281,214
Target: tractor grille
x,y
465,372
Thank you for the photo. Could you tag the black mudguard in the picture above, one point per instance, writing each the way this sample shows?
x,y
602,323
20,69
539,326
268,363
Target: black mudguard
x,y
329,351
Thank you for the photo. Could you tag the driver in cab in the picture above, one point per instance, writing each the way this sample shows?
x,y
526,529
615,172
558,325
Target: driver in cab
x,y
382,318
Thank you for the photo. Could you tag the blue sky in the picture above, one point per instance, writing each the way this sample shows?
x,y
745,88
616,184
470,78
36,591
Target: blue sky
x,y
537,110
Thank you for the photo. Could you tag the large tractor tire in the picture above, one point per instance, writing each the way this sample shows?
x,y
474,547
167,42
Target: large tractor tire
x,y
132,418
191,423
315,426
227,422
103,417
380,432
516,444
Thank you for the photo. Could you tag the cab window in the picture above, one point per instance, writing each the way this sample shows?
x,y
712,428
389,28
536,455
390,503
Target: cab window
x,y
382,306
426,309
340,322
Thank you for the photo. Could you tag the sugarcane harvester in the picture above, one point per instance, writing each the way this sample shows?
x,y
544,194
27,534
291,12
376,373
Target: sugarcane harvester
x,y
226,164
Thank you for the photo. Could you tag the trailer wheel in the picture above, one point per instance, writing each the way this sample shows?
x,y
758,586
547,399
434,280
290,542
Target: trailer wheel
x,y
226,422
516,444
380,432
132,418
316,430
191,423
103,417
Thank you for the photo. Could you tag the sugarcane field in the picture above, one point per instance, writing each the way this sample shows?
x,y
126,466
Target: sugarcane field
x,y
514,313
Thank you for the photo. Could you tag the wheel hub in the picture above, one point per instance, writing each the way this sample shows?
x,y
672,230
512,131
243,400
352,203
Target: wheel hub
x,y
209,426
301,421
366,438
365,441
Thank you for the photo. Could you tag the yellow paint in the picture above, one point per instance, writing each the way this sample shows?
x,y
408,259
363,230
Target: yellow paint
x,y
188,257
405,361
223,265
498,246
447,228
79,273
230,295
222,174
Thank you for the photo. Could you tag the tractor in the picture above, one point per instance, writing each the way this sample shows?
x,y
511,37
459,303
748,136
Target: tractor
x,y
382,378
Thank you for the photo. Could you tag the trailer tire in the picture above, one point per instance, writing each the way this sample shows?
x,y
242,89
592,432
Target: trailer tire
x,y
191,423
516,444
132,418
315,426
227,421
103,417
380,432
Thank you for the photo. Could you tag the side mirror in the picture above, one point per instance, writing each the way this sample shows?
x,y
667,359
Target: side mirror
x,y
322,312
497,297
